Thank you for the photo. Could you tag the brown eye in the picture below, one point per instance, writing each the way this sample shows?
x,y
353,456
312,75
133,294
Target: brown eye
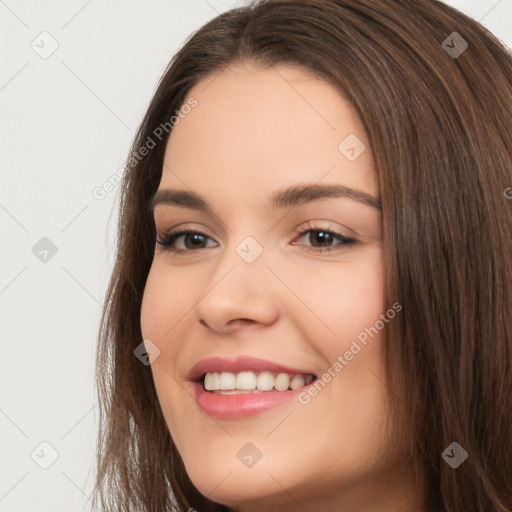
x,y
192,241
321,240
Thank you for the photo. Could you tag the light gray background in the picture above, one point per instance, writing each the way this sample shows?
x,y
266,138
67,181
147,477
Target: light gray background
x,y
66,123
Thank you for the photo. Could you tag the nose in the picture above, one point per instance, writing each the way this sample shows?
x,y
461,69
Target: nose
x,y
239,295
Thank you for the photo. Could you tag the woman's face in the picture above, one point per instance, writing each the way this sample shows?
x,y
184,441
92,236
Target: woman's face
x,y
250,284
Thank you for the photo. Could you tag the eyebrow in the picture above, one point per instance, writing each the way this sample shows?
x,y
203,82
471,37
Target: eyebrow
x,y
288,197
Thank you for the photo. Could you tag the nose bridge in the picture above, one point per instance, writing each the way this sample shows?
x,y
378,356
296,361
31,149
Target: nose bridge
x,y
247,242
240,286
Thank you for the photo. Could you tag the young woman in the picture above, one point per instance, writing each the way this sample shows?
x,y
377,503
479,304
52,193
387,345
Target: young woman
x,y
311,305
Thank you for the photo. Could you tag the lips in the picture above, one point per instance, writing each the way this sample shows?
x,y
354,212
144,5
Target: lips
x,y
239,406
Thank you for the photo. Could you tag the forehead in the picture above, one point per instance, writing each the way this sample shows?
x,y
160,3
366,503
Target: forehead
x,y
257,129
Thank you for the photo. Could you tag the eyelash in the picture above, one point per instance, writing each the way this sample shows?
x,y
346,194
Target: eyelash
x,y
169,238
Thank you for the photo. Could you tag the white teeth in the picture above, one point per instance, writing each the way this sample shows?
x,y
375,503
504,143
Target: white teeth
x,y
297,382
265,381
227,380
212,381
248,381
208,384
282,382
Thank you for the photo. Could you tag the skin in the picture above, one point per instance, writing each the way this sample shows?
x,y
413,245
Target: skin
x,y
255,131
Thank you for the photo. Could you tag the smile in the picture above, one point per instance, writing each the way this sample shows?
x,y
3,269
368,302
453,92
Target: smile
x,y
234,388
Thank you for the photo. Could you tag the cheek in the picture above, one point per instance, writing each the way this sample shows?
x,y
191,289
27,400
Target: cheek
x,y
167,298
346,330
348,301
343,300
164,317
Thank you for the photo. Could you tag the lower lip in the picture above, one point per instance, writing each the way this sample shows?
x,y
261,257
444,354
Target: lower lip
x,y
240,405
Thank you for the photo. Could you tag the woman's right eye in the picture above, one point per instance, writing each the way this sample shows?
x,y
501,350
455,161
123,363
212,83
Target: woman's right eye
x,y
196,239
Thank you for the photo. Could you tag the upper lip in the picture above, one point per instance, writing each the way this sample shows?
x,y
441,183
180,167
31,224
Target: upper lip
x,y
239,364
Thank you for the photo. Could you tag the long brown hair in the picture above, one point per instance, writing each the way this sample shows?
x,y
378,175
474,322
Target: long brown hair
x,y
438,116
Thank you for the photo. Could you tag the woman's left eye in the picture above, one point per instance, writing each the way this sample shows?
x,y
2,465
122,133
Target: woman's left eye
x,y
324,236
196,239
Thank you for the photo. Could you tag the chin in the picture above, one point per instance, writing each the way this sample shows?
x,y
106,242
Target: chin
x,y
232,484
